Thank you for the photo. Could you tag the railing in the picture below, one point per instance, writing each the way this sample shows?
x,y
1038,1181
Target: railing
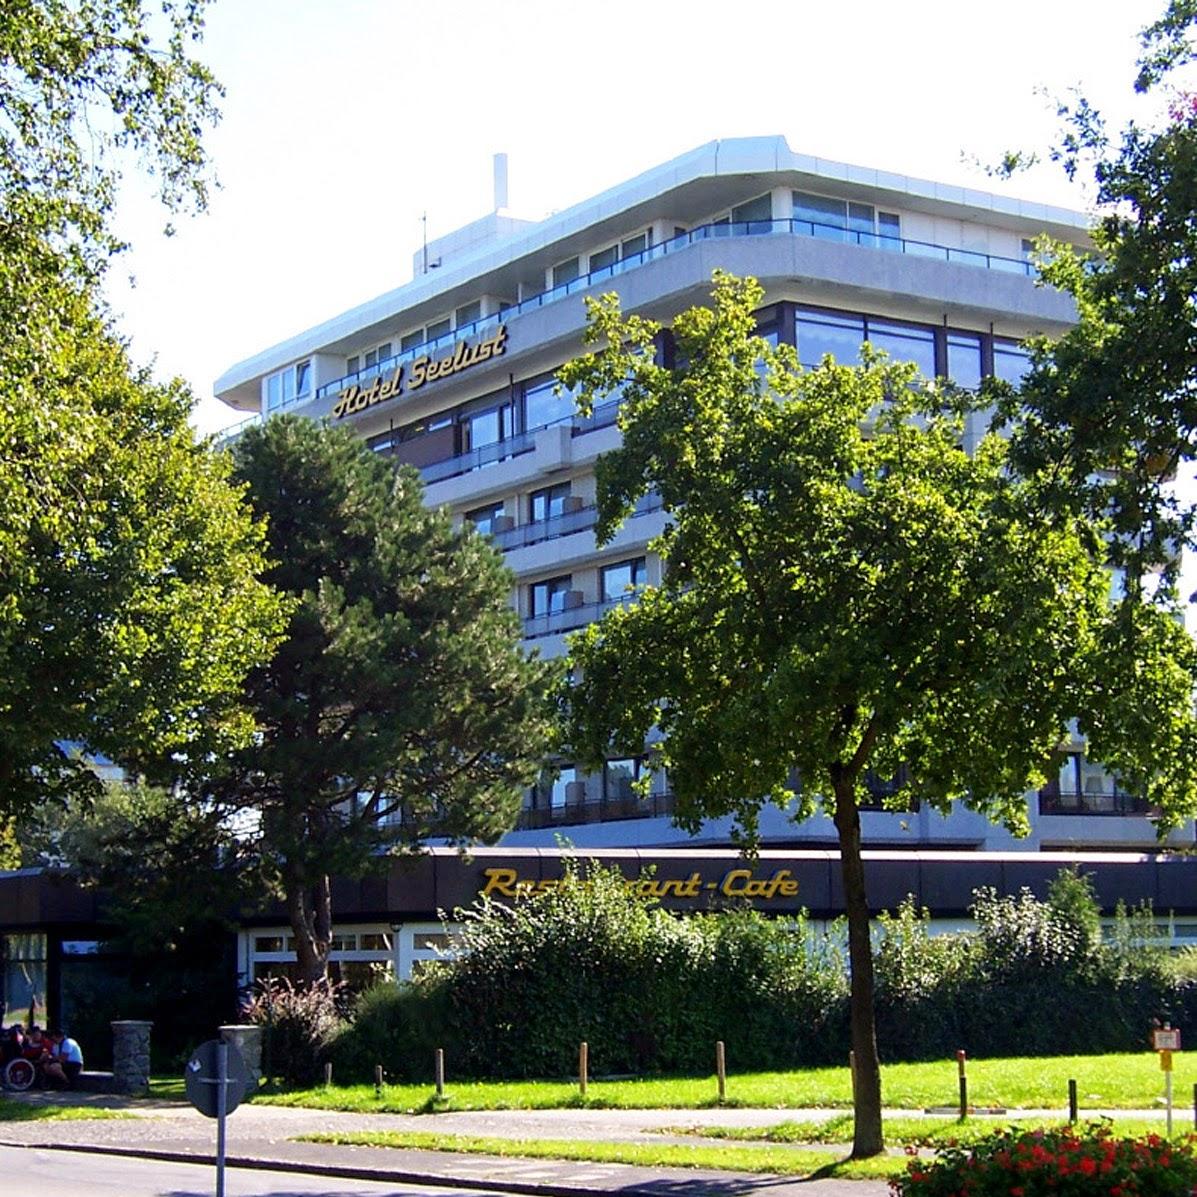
x,y
706,232
604,810
226,435
563,525
569,620
1054,801
477,459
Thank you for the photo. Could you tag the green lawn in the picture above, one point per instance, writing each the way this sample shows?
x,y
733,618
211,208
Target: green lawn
x,y
781,1161
23,1111
1124,1081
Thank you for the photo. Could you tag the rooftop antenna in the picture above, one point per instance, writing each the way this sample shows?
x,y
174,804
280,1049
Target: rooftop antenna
x,y
500,181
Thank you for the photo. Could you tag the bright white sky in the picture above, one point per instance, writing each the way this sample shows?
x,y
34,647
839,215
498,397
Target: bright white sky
x,y
346,119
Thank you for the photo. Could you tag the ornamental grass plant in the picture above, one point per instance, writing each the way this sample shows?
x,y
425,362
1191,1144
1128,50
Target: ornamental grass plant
x,y
1058,1162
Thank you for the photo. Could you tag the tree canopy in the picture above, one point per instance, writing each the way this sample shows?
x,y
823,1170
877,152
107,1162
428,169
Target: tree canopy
x,y
128,599
846,589
400,705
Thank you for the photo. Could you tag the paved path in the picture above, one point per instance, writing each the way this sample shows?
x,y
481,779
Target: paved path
x,y
261,1136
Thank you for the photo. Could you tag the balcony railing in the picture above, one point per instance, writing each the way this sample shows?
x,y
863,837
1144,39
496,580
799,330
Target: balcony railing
x,y
1055,801
605,810
706,232
569,620
563,525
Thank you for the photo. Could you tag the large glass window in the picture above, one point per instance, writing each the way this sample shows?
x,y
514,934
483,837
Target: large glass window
x,y
483,518
547,503
468,313
964,360
905,343
551,789
757,214
846,220
1010,361
565,272
820,333
619,776
437,328
292,385
25,975
624,578
548,597
542,404
484,428
604,257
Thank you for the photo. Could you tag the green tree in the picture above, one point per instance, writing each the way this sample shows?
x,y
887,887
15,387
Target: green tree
x,y
127,564
400,705
845,589
1110,407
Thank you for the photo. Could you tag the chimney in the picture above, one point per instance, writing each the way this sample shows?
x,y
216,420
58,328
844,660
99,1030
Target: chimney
x,y
500,181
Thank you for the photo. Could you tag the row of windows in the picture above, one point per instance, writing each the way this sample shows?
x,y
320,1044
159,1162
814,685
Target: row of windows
x,y
461,317
285,387
617,582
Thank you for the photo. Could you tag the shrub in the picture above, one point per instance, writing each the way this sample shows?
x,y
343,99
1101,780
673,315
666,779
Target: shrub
x,y
1063,1162
299,1025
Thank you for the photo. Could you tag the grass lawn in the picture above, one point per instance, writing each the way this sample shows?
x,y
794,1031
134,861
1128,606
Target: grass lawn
x,y
1126,1081
22,1111
781,1161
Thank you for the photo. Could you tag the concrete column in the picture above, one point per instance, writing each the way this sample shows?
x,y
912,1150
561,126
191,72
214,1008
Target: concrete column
x,y
247,1039
131,1056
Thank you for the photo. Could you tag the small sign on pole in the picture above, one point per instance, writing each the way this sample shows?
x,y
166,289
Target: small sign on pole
x,y
1166,1040
216,1080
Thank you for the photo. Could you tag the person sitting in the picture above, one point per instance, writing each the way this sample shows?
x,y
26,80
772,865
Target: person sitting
x,y
65,1062
35,1046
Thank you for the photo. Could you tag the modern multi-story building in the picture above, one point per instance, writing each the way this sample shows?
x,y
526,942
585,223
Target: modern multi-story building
x,y
454,373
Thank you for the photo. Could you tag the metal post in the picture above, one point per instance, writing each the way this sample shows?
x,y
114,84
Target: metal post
x,y
960,1059
1168,1098
328,1074
583,1066
440,1074
377,1080
721,1070
1072,1114
222,1104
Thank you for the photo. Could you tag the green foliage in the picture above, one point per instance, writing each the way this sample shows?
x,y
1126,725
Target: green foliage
x,y
300,1024
590,961
1065,1160
400,704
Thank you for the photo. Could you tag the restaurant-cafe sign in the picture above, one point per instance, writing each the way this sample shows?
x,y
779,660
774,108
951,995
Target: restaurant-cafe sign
x,y
423,370
734,883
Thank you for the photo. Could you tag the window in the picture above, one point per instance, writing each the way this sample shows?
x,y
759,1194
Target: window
x,y
487,427
605,257
437,329
565,272
292,385
905,343
411,340
547,503
483,518
543,406
352,364
1010,361
468,313
964,360
550,790
24,971
846,220
548,597
623,579
635,245
619,776
820,333
375,356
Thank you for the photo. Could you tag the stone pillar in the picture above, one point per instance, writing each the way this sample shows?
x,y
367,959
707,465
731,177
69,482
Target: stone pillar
x,y
247,1039
131,1056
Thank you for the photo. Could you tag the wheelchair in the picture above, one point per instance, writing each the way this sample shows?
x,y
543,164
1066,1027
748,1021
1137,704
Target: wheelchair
x,y
20,1074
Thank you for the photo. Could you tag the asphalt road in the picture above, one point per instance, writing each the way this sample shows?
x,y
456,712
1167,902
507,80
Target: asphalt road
x,y
35,1172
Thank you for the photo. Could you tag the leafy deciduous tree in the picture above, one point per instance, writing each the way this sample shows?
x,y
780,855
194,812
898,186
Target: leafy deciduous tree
x,y
845,588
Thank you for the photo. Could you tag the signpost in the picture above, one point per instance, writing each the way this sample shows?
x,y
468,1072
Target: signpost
x,y
1166,1040
216,1080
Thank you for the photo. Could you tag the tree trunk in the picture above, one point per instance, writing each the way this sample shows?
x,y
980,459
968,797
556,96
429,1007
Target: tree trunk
x,y
310,914
867,1137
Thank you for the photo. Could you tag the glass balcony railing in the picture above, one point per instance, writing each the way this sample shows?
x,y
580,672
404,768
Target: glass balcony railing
x,y
603,810
706,232
571,618
562,525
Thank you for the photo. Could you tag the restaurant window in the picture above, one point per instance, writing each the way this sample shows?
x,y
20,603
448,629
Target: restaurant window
x,y
905,343
623,579
619,777
550,790
547,503
964,360
820,333
548,597
483,518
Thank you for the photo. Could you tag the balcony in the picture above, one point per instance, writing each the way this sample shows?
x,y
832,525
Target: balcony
x,y
562,525
1112,801
706,232
605,810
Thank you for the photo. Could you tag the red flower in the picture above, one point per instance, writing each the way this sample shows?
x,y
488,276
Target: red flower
x,y
1016,1191
1087,1165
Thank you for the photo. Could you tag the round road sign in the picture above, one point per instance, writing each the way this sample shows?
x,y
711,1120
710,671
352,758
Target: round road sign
x,y
201,1078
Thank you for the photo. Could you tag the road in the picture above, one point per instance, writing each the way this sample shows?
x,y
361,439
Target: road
x,y
35,1172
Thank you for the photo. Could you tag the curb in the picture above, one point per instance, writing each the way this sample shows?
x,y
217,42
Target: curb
x,y
398,1176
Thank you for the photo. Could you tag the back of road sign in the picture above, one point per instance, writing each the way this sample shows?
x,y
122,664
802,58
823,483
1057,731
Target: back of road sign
x,y
201,1078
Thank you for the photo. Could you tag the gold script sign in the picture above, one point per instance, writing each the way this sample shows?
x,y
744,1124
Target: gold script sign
x,y
423,370
735,883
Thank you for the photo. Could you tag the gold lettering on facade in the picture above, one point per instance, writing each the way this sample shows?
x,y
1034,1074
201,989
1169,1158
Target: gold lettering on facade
x,y
423,370
735,883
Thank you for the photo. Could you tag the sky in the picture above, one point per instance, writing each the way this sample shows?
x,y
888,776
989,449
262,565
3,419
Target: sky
x,y
346,120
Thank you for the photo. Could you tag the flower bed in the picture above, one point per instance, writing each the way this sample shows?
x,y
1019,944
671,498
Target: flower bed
x,y
1063,1162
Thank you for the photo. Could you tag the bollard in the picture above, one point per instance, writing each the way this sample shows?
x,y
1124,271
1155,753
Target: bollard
x,y
328,1075
377,1080
721,1070
583,1066
961,1057
440,1074
1072,1114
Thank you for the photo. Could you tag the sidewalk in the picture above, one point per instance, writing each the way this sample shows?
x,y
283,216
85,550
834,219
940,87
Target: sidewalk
x,y
260,1136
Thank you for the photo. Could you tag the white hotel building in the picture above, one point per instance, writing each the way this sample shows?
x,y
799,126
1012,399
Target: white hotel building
x,y
453,373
